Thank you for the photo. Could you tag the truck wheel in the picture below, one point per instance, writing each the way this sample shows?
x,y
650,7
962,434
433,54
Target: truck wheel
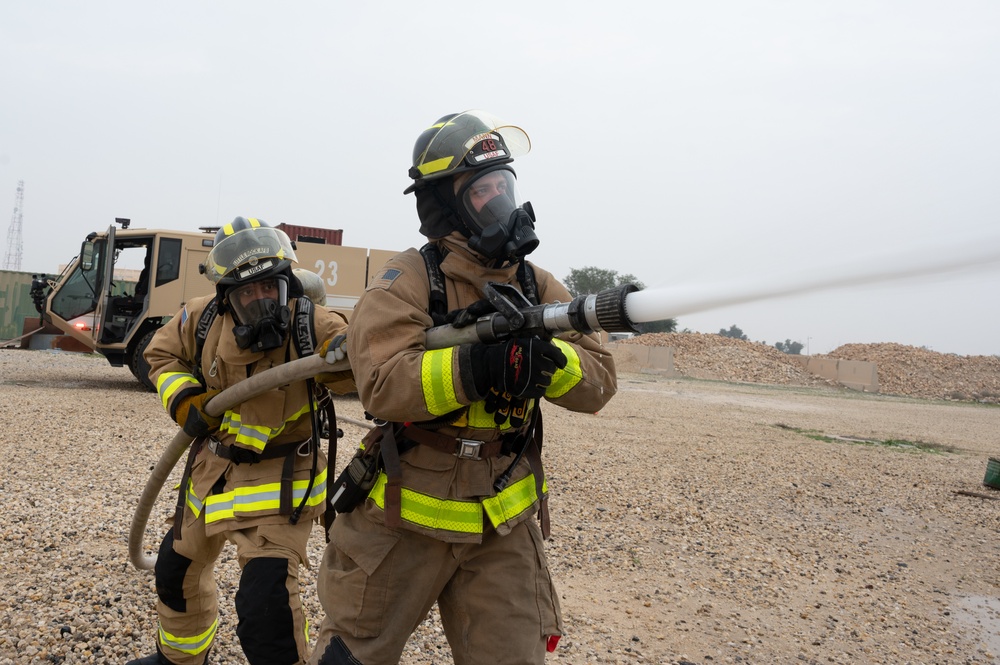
x,y
138,364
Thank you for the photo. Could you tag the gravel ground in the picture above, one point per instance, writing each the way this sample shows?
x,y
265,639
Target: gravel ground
x,y
693,521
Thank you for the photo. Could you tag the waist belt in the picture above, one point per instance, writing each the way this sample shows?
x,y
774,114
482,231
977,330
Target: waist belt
x,y
460,448
238,455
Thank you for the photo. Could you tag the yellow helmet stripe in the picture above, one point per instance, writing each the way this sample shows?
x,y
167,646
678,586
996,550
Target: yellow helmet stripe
x,y
436,165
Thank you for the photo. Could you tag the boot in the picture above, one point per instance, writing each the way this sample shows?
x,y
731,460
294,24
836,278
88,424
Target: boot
x,y
154,659
159,659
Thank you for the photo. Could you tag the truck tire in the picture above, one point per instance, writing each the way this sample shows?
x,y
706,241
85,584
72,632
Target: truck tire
x,y
137,363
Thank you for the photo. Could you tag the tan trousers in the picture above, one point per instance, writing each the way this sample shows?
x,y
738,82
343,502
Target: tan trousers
x,y
187,602
496,599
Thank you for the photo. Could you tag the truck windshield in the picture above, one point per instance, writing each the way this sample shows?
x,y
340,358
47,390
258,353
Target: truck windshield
x,y
79,292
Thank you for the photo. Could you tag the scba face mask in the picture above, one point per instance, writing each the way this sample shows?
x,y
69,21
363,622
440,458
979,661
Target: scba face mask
x,y
261,312
490,205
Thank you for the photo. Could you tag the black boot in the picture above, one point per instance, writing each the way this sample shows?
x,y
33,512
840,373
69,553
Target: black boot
x,y
158,659
155,659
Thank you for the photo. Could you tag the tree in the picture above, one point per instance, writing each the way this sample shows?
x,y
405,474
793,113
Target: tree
x,y
584,281
733,332
588,280
789,347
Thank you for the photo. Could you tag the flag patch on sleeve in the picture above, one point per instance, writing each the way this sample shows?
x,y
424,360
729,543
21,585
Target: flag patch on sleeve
x,y
384,279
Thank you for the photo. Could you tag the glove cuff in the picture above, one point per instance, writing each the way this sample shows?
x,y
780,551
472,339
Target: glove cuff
x,y
473,370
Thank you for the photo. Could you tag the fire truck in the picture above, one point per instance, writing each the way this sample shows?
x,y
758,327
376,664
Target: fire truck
x,y
117,317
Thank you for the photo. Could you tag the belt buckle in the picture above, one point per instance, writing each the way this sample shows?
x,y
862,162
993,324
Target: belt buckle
x,y
213,446
468,449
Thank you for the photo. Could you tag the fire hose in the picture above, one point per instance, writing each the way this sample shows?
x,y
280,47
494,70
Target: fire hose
x,y
514,316
281,375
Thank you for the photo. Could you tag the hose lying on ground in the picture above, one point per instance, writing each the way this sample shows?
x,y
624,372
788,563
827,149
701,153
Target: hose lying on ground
x,y
297,370
17,339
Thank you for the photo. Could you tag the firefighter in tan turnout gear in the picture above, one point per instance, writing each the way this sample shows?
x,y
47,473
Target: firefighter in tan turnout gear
x,y
256,476
456,476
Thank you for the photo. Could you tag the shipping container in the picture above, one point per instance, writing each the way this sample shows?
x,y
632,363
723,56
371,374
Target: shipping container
x,y
304,234
15,303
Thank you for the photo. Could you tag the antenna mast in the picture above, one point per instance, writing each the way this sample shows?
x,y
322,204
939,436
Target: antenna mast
x,y
12,258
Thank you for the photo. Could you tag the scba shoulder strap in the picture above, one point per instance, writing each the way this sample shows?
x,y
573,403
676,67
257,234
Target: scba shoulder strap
x,y
438,303
303,331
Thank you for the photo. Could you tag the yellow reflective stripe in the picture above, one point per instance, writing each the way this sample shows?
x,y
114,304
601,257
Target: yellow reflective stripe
x,y
255,436
511,502
254,222
431,512
436,165
169,383
436,381
564,379
259,498
479,419
190,645
192,500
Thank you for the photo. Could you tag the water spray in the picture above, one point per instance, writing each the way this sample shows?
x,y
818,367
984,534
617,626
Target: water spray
x,y
671,302
619,309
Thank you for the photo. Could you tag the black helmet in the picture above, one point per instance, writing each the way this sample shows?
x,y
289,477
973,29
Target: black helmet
x,y
250,264
478,143
464,141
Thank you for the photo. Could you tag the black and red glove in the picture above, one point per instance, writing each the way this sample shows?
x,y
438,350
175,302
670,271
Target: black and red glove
x,y
459,318
522,367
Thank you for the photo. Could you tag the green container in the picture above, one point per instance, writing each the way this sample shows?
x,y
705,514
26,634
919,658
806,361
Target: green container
x,y
992,478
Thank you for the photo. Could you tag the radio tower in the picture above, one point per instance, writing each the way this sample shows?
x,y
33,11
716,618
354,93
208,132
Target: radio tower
x,y
12,258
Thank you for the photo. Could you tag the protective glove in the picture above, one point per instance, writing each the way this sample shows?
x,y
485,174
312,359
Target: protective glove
x,y
459,318
334,350
506,407
190,414
522,367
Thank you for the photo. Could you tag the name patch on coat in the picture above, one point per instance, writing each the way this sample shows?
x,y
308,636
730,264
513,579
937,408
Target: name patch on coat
x,y
384,279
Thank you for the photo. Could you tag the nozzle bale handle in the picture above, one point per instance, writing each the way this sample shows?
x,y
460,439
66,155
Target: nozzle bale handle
x,y
585,314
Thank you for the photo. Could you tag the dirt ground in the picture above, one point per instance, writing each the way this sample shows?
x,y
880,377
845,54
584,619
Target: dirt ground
x,y
693,522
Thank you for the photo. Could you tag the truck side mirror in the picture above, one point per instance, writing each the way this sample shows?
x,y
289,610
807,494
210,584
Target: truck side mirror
x,y
87,255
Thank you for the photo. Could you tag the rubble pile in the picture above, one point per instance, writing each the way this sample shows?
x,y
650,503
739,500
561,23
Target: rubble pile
x,y
902,370
709,356
917,372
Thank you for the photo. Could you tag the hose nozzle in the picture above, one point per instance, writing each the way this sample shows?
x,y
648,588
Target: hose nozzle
x,y
604,310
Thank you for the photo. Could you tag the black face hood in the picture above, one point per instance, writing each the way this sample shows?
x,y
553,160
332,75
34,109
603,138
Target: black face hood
x,y
436,208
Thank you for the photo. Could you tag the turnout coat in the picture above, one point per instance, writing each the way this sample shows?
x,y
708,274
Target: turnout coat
x,y
400,380
230,495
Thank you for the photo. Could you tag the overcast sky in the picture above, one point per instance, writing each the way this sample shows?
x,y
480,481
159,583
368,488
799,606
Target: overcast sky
x,y
684,143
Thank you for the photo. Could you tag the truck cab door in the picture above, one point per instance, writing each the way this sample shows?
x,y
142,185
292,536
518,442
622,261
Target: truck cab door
x,y
73,304
103,333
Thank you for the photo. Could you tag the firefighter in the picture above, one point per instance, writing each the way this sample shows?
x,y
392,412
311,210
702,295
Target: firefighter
x,y
255,476
458,475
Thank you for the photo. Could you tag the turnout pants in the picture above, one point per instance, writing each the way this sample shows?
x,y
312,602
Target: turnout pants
x,y
376,584
272,627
